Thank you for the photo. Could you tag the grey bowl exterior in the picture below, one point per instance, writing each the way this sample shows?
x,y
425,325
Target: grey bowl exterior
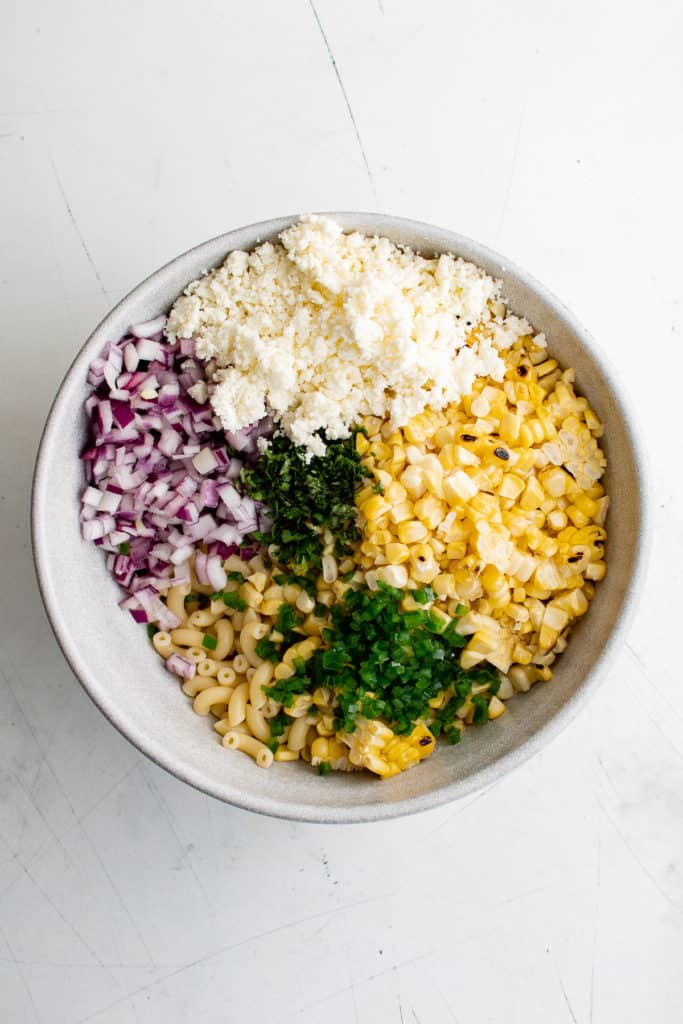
x,y
110,655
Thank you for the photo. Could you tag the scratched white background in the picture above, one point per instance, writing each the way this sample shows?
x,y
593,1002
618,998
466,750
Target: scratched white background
x,y
130,131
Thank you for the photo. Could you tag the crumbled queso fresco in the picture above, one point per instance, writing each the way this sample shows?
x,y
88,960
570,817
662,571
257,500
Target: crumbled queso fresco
x,y
326,328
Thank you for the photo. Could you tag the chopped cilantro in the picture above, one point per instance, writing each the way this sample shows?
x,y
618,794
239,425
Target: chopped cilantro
x,y
152,630
278,724
287,618
233,600
305,498
237,576
210,642
273,745
124,548
324,768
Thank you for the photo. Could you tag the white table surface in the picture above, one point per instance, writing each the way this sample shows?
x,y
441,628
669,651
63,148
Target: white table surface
x,y
130,131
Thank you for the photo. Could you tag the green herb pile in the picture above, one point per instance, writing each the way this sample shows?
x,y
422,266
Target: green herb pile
x,y
304,498
384,662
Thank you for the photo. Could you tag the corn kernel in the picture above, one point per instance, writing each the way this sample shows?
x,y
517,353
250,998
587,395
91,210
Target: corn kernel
x,y
532,496
412,478
430,511
412,531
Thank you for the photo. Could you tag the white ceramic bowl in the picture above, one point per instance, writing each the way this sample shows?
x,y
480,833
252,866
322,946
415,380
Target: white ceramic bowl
x,y
110,654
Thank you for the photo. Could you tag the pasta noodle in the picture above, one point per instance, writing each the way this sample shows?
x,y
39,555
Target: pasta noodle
x,y
237,708
261,677
250,745
250,634
258,724
225,637
212,695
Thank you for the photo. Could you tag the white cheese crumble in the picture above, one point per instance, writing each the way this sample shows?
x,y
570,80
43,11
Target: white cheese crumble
x,y
327,327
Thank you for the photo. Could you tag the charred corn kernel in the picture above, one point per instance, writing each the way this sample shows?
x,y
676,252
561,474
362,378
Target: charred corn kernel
x,y
412,531
375,507
421,554
374,746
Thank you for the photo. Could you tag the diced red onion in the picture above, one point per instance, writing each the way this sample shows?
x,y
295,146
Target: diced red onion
x,y
181,666
200,567
153,465
215,572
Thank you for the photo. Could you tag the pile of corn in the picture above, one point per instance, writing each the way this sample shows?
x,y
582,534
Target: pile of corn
x,y
494,503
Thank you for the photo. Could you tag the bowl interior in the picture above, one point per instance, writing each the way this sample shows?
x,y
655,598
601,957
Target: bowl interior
x,y
112,658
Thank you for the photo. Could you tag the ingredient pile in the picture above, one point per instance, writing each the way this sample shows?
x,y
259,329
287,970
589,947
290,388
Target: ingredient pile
x,y
353,498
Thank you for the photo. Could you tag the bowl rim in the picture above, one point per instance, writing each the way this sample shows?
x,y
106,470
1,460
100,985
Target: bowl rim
x,y
479,779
